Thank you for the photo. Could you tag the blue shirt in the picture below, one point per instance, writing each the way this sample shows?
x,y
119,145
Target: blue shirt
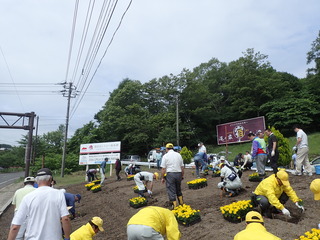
x,y
103,165
70,201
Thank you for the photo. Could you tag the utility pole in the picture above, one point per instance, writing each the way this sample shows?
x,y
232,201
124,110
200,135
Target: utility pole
x,y
70,88
177,121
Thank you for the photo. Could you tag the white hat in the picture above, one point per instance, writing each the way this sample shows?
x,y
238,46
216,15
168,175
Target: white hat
x,y
29,179
222,158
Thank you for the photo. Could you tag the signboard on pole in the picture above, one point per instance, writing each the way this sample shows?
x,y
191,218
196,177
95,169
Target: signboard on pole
x,y
237,132
87,159
95,153
100,147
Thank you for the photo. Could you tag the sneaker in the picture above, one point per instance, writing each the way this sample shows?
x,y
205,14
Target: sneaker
x,y
297,173
309,174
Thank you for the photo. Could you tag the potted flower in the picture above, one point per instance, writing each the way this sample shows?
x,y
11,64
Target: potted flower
x,y
236,211
137,202
96,188
312,234
254,177
216,173
136,189
89,186
197,183
96,181
186,216
130,177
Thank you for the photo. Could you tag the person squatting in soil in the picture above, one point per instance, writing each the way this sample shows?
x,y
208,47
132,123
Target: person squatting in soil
x,y
118,168
172,165
71,200
247,164
86,232
148,178
272,150
255,227
153,223
92,174
273,192
259,152
230,181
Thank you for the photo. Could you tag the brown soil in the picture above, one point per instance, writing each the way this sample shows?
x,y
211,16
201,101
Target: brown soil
x,y
111,204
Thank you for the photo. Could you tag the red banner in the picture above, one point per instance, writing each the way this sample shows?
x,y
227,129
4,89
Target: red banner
x,y
237,132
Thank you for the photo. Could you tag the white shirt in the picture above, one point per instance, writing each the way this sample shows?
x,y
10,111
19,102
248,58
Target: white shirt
x,y
304,139
44,208
203,149
172,161
19,195
225,172
147,176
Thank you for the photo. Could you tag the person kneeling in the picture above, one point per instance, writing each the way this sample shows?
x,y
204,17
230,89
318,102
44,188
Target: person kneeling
x,y
230,181
255,227
86,232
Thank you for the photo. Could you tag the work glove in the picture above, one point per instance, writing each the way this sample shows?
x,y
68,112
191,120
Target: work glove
x,y
149,192
286,212
300,206
294,148
272,153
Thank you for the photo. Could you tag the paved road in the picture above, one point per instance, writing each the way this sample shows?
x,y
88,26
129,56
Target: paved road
x,y
8,178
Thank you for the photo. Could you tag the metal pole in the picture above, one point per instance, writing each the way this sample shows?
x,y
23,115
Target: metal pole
x,y
29,145
177,121
66,132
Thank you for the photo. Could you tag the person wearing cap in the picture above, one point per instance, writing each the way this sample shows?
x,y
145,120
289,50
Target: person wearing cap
x,y
92,174
273,192
172,165
71,200
255,229
223,160
230,180
86,232
315,189
302,148
46,210
153,223
103,170
148,178
17,198
199,161
259,151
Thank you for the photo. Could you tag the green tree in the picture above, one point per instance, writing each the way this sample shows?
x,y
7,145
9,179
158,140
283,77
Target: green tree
x,y
186,155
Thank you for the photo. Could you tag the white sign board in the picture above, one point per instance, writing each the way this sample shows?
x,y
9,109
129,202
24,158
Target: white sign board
x,y
100,147
88,159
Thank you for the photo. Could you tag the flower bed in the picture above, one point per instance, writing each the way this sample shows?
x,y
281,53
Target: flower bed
x,y
236,211
96,182
96,188
137,202
312,234
130,177
186,216
197,183
136,189
216,173
89,186
254,177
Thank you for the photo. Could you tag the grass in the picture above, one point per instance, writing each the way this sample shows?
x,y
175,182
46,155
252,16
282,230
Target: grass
x,y
313,140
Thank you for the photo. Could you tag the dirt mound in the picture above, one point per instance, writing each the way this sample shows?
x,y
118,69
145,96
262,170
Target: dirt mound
x,y
112,205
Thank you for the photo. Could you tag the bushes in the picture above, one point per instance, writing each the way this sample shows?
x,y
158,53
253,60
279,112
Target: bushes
x,y
186,155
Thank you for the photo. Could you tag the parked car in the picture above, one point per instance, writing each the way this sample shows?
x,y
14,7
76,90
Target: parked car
x,y
132,158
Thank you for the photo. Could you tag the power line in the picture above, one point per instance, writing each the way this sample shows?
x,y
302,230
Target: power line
x,y
75,108
5,60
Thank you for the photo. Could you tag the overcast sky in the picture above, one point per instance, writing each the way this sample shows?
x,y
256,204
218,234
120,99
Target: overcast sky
x,y
156,38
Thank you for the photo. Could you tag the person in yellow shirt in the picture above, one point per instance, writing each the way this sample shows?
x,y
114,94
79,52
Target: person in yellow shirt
x,y
255,229
315,188
86,232
153,223
273,192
